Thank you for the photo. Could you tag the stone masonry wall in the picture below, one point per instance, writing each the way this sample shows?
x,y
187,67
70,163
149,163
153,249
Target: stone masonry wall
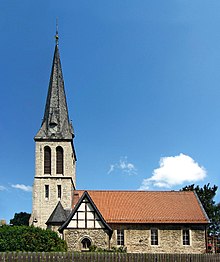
x,y
73,237
138,238
69,161
43,207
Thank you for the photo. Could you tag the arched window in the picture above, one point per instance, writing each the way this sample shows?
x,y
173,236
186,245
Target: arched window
x,y
47,160
86,243
59,163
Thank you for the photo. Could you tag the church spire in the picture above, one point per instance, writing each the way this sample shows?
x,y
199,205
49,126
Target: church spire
x,y
57,35
55,158
56,124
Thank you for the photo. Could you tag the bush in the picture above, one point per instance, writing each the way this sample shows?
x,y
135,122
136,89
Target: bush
x,y
33,239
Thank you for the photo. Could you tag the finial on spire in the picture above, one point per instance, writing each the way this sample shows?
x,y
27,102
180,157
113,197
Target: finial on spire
x,y
57,36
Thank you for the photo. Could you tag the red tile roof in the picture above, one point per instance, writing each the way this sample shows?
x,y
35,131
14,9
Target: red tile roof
x,y
147,206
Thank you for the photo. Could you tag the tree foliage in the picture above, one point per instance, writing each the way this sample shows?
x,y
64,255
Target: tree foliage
x,y
33,239
206,195
20,219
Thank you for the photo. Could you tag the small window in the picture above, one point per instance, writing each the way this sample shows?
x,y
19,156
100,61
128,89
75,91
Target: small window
x,y
154,237
59,191
120,237
46,191
59,162
186,237
86,243
47,160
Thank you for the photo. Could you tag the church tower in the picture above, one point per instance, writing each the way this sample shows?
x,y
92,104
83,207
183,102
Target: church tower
x,y
55,157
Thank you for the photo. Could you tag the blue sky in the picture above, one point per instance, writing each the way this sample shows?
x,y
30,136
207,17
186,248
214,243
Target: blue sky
x,y
142,80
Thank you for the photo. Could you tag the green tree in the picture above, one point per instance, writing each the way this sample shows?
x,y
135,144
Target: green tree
x,y
20,219
206,195
33,239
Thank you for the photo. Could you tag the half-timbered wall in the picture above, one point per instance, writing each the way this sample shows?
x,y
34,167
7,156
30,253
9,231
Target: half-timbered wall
x,y
85,217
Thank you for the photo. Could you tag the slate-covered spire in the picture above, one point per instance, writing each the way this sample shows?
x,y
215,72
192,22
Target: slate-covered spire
x,y
56,124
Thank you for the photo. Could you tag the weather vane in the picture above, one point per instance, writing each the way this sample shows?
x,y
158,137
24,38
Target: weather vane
x,y
57,36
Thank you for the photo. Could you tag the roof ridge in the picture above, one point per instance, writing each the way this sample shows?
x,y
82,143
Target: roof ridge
x,y
139,191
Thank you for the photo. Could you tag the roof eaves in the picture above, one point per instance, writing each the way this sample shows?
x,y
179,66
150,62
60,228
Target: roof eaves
x,y
118,221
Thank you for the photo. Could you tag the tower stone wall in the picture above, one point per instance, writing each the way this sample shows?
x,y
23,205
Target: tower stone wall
x,y
69,159
43,206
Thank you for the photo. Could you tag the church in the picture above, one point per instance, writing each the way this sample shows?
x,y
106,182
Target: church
x,y
136,221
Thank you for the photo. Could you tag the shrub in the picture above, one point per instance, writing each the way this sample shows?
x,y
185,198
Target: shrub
x,y
33,239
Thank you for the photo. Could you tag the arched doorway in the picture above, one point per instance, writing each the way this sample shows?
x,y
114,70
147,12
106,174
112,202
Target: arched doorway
x,y
85,244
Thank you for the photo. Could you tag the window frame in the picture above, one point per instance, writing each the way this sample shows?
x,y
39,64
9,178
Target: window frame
x,y
186,237
59,191
154,236
59,160
120,237
47,191
47,160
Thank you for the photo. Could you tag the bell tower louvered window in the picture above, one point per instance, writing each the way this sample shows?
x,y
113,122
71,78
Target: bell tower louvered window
x,y
47,160
59,163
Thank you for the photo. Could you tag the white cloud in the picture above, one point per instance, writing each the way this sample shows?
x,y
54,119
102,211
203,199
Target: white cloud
x,y
174,171
23,187
2,188
124,166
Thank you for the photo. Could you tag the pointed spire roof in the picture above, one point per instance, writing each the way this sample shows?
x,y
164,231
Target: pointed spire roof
x,y
56,124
